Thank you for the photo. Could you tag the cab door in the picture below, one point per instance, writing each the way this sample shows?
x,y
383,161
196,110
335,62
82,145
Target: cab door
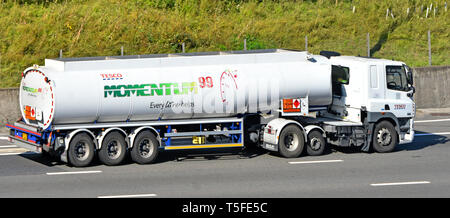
x,y
396,92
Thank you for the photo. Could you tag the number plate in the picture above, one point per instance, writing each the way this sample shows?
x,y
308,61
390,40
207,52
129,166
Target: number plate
x,y
25,136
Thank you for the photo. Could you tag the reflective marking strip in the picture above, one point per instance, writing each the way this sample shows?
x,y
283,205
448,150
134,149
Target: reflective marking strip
x,y
201,146
24,130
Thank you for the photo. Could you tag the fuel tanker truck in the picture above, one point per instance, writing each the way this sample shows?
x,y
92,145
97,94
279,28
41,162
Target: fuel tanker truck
x,y
285,101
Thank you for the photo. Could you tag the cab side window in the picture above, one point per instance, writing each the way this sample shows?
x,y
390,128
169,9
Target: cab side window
x,y
339,76
396,78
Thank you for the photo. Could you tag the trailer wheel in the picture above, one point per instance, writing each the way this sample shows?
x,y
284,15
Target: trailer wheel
x,y
316,143
291,141
81,150
145,148
113,149
384,137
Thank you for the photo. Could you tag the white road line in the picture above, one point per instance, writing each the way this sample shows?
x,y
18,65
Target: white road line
x,y
436,133
128,196
429,121
400,183
74,172
3,138
316,161
15,153
8,146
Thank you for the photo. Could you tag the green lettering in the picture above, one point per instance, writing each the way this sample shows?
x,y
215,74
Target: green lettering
x,y
145,89
118,93
167,85
189,87
109,90
154,88
142,90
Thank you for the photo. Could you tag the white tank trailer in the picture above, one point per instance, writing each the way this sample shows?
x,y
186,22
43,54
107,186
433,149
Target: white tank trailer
x,y
160,88
280,100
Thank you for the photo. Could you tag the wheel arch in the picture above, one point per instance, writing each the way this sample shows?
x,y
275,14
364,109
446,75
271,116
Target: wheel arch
x,y
310,128
278,125
391,120
132,136
103,134
73,133
377,117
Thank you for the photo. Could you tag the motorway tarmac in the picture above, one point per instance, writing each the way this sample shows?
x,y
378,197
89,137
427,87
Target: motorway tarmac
x,y
418,169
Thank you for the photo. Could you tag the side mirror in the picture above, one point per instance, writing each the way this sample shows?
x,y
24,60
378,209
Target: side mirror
x,y
409,75
411,91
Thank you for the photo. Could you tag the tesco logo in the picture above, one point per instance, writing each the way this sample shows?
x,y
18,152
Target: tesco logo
x,y
111,76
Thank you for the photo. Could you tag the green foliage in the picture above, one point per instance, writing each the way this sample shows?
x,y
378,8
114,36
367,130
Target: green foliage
x,y
33,30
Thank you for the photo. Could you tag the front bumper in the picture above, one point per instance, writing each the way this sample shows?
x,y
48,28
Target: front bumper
x,y
407,137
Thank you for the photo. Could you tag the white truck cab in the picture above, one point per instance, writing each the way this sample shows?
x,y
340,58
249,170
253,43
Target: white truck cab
x,y
374,90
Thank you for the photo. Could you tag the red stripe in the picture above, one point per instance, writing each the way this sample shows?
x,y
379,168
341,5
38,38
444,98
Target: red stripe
x,y
22,129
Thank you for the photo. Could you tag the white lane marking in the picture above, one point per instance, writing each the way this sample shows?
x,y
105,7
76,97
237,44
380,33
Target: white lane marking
x,y
3,138
436,133
73,172
316,161
15,153
400,183
429,121
8,146
128,196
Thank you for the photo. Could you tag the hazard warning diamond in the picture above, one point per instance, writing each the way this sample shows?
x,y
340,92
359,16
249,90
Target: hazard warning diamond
x,y
296,103
291,105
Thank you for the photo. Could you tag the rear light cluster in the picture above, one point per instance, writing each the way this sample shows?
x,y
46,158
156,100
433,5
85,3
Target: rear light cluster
x,y
270,131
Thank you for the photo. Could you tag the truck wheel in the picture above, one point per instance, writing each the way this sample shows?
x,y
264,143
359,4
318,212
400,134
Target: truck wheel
x,y
81,150
291,141
316,143
384,137
113,149
145,148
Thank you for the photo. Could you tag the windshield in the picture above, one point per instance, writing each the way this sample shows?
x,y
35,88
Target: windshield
x,y
396,78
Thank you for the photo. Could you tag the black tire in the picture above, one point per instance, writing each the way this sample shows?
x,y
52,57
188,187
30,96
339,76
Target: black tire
x,y
316,143
385,137
145,148
291,142
81,150
113,150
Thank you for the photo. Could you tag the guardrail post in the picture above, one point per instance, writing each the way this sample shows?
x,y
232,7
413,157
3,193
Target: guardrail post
x,y
429,47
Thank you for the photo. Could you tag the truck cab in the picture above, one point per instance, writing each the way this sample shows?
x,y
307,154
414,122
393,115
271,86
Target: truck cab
x,y
368,91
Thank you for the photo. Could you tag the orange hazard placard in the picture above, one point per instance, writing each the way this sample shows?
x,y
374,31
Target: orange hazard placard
x,y
291,105
30,113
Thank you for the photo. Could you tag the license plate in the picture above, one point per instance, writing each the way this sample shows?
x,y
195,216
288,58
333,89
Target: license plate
x,y
25,136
